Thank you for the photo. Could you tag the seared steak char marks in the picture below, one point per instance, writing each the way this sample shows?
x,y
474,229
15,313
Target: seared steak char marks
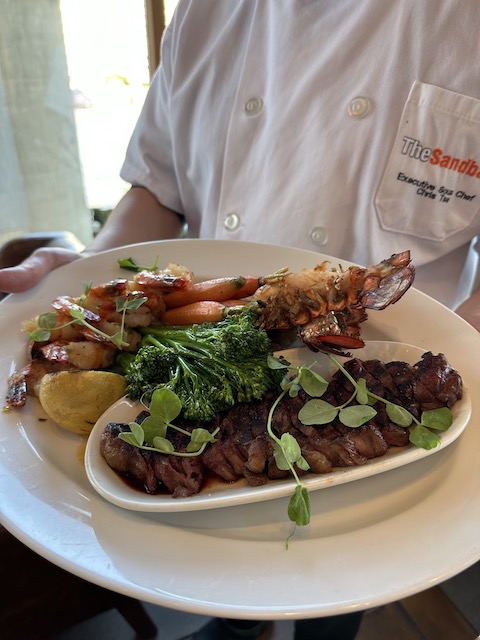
x,y
437,384
244,449
430,384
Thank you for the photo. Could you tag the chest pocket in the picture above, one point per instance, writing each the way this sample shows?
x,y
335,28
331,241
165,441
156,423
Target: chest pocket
x,y
431,186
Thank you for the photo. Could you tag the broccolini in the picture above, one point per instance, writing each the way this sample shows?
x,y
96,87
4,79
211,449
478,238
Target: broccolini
x,y
209,366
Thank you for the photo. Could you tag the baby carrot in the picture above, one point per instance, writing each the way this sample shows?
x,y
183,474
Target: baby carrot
x,y
252,283
218,289
195,313
235,303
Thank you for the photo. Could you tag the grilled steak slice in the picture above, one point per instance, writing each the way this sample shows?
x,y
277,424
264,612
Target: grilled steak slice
x,y
125,459
430,384
245,450
182,477
437,384
151,471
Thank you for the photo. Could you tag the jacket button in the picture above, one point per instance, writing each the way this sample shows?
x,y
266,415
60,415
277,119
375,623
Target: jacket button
x,y
253,106
231,222
359,107
319,236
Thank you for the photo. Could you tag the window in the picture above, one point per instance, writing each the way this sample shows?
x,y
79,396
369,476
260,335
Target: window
x,y
73,78
107,60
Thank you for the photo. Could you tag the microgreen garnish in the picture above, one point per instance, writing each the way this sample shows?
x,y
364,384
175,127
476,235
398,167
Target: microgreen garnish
x,y
421,435
287,451
86,290
131,264
47,322
165,406
122,305
316,411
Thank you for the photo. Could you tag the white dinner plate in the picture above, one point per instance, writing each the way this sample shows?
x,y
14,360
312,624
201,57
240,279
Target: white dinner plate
x,y
222,494
369,542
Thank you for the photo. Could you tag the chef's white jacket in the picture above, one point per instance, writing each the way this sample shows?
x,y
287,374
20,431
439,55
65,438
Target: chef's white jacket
x,y
350,128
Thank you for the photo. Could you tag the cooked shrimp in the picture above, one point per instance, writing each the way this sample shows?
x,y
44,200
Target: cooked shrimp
x,y
102,300
82,354
27,381
173,278
63,329
89,355
131,337
100,305
156,284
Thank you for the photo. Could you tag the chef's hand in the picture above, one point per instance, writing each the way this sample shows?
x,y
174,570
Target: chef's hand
x,y
138,217
29,272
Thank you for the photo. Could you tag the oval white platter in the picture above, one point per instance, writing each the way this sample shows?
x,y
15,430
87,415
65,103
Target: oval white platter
x,y
111,486
172,559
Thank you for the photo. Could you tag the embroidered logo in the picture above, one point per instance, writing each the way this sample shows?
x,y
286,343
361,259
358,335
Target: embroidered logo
x,y
413,148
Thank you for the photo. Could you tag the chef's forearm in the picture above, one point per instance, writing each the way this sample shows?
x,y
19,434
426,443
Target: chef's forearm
x,y
138,217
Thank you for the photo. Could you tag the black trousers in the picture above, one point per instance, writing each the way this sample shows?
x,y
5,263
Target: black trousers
x,y
344,627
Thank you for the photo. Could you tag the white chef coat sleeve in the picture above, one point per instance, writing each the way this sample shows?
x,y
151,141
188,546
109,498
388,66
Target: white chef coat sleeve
x,y
149,157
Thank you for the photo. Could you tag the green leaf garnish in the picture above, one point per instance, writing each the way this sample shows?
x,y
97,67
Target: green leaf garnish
x,y
129,437
312,382
136,435
317,411
46,322
399,415
440,419
424,438
151,435
165,405
362,394
278,362
200,437
131,264
40,335
299,506
153,428
356,415
163,445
